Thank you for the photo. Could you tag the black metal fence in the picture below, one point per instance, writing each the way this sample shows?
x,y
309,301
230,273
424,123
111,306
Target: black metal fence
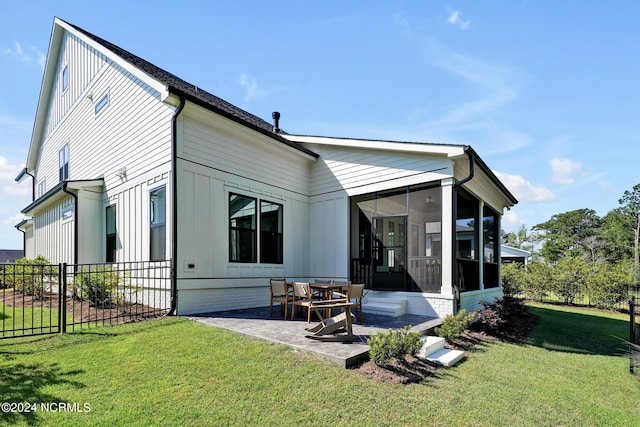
x,y
617,302
38,299
634,333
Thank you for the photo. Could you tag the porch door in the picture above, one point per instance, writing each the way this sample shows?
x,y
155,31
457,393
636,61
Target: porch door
x,y
389,253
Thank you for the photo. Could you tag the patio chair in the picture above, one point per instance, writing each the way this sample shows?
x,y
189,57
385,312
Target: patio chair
x,y
279,294
302,297
354,292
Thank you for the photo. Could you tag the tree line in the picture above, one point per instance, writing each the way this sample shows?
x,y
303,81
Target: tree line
x,y
580,257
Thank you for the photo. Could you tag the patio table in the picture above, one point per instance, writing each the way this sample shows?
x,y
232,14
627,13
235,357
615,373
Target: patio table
x,y
326,290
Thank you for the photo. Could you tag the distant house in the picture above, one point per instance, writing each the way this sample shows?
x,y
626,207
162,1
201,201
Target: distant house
x,y
510,254
10,256
129,162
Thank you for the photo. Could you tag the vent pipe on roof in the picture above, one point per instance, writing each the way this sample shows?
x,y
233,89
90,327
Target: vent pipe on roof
x,y
276,121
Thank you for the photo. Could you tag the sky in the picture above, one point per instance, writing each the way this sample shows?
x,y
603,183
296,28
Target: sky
x,y
546,92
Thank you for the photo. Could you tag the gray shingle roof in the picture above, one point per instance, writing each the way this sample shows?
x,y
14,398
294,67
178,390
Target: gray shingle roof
x,y
195,94
9,256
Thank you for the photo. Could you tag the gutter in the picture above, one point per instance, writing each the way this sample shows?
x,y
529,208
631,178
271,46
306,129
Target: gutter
x,y
75,221
21,175
174,210
456,185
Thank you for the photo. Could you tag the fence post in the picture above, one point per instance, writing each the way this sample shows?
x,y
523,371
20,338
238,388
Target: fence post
x,y
632,330
62,301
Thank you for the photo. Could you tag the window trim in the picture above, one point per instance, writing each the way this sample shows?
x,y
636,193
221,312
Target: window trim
x,y
253,259
279,256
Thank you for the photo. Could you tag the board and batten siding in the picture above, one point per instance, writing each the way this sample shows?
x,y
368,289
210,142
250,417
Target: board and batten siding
x,y
217,157
53,234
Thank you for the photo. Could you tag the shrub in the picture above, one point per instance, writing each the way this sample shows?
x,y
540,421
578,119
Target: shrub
x,y
507,317
609,284
512,278
453,325
99,285
30,276
393,344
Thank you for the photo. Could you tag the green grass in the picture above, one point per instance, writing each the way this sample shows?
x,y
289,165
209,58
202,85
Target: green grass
x,y
35,320
179,372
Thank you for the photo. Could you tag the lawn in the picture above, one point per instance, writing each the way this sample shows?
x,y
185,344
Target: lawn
x,y
179,372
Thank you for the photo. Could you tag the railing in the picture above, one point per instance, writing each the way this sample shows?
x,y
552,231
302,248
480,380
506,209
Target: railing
x,y
634,332
48,299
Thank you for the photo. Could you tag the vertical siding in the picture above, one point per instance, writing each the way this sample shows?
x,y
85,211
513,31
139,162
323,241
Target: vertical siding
x,y
133,132
53,235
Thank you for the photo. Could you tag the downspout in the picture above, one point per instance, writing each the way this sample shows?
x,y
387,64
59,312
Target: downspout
x,y
174,210
24,172
24,241
454,254
76,220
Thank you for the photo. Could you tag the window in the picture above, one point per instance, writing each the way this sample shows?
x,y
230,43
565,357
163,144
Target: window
x,y
63,165
244,222
110,215
242,226
67,212
42,187
158,215
102,102
491,243
270,233
467,259
65,78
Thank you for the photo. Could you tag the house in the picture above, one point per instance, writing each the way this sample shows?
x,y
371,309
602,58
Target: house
x,y
129,162
510,254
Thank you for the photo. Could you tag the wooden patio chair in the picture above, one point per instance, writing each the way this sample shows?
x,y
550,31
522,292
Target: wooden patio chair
x,y
302,297
354,292
279,294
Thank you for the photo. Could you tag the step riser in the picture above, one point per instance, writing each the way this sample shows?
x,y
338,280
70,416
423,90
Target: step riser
x,y
433,350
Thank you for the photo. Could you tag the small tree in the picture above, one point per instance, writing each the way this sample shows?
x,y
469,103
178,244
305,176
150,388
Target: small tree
x,y
536,280
568,278
608,284
512,278
30,276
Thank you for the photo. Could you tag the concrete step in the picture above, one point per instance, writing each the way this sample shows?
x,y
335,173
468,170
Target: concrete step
x,y
433,350
446,357
385,306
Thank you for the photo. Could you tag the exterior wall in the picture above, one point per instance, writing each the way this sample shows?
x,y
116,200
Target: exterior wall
x,y
132,133
29,250
341,172
131,202
53,234
217,157
470,301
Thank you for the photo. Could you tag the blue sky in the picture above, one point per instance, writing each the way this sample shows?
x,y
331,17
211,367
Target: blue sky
x,y
545,91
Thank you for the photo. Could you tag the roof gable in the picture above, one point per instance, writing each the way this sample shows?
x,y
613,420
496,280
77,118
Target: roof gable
x,y
161,80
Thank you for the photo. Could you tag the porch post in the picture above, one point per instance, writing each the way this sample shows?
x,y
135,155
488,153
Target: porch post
x,y
447,237
481,244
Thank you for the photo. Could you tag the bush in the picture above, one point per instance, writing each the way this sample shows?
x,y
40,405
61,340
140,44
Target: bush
x,y
507,317
608,285
30,276
512,278
452,326
393,344
99,285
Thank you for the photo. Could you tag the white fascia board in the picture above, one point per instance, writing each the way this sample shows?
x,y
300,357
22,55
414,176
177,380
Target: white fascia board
x,y
413,147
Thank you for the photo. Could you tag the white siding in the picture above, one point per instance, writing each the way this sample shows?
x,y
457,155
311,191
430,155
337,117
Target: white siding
x,y
132,216
133,132
53,235
358,171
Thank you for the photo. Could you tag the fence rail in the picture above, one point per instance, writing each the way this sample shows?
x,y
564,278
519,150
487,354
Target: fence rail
x,y
618,302
47,299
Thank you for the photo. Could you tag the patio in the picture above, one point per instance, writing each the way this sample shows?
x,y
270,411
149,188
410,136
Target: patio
x,y
256,323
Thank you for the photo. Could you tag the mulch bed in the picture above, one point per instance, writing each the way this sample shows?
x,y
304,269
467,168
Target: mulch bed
x,y
411,369
82,311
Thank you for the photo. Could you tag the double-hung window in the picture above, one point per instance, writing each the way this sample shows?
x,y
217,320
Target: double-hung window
x,y
158,220
255,224
63,164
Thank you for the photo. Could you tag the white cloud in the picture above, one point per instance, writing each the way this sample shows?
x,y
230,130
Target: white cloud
x,y
608,187
32,56
8,185
455,18
564,171
251,87
523,190
511,221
